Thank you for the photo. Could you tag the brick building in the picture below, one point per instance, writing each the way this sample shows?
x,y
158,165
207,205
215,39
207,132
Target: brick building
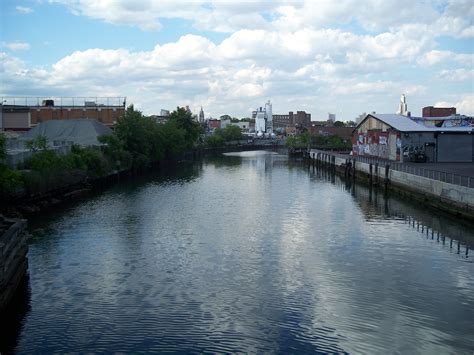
x,y
300,119
21,114
342,132
213,124
430,111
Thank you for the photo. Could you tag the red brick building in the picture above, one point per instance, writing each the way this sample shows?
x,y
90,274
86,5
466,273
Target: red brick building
x,y
21,114
342,132
300,119
213,124
430,111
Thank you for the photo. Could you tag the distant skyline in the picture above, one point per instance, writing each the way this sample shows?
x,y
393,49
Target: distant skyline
x,y
345,57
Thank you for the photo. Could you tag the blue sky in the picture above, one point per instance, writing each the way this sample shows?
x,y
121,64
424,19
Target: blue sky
x,y
230,57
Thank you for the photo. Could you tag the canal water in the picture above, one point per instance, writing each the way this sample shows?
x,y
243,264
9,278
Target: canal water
x,y
246,252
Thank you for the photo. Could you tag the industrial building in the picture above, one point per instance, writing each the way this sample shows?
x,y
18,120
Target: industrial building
x,y
263,119
401,138
60,136
24,113
299,120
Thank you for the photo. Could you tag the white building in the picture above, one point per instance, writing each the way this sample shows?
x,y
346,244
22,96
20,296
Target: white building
x,y
225,123
263,119
332,117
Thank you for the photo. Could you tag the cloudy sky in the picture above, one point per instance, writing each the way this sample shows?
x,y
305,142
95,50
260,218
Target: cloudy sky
x,y
344,56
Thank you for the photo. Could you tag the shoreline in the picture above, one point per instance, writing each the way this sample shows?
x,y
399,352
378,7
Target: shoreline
x,y
456,200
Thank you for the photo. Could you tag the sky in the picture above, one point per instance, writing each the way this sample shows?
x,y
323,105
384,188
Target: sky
x,y
345,57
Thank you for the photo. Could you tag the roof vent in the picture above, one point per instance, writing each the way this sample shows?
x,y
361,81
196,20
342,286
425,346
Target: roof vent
x,y
48,103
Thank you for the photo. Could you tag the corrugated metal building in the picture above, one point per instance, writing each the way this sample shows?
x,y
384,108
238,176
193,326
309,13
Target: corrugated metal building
x,y
401,138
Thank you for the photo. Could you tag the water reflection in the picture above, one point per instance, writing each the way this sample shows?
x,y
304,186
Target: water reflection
x,y
377,203
246,253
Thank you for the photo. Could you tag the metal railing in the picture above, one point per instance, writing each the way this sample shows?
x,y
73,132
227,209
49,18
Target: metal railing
x,y
444,176
32,101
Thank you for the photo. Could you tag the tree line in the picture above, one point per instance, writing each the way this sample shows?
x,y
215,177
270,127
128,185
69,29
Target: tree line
x,y
136,143
308,140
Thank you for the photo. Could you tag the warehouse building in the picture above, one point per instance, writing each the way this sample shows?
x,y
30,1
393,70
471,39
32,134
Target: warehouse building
x,y
402,138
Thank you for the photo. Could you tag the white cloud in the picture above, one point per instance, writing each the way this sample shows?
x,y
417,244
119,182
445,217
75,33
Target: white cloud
x,y
465,106
144,14
434,57
16,46
24,9
461,74
284,15
310,64
377,87
293,52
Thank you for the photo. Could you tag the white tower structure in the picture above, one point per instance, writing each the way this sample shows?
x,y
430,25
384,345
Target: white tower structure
x,y
403,106
260,127
268,111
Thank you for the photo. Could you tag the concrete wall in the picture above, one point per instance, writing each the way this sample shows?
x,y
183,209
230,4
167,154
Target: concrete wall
x,y
461,196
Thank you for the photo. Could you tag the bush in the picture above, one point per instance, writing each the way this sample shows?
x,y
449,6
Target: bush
x,y
215,140
11,181
220,136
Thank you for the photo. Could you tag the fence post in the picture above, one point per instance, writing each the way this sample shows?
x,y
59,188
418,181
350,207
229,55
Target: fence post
x,y
377,173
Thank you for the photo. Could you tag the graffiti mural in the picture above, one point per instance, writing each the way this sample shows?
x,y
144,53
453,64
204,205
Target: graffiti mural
x,y
374,143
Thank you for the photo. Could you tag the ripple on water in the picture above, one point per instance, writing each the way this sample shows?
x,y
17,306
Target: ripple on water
x,y
257,258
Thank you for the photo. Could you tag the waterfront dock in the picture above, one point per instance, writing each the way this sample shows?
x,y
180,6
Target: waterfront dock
x,y
13,261
449,187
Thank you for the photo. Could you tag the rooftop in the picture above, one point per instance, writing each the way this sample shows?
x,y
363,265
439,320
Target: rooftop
x,y
62,101
83,132
412,124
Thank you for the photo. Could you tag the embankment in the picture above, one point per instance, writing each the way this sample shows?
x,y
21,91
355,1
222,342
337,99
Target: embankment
x,y
453,198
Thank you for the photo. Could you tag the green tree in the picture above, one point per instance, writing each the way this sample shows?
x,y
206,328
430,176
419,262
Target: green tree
x,y
339,124
140,137
115,152
174,139
231,133
38,143
184,120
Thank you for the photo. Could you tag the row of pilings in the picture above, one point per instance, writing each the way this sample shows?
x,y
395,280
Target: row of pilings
x,y
321,159
431,233
378,173
379,176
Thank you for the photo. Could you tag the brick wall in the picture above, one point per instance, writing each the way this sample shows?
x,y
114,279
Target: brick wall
x,y
431,111
105,115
